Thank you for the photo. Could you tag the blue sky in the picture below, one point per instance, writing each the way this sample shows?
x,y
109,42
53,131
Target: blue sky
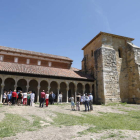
x,y
63,27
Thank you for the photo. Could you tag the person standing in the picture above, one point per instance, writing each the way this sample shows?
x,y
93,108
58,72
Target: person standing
x,y
32,98
25,98
9,98
78,98
28,98
47,98
72,102
42,99
4,96
19,98
86,102
60,97
14,96
53,97
50,98
90,101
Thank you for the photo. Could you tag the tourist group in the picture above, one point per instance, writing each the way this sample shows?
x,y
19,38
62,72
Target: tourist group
x,y
27,98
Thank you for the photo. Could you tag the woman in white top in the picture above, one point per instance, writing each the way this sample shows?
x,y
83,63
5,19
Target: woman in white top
x,y
25,98
60,97
4,97
47,98
32,98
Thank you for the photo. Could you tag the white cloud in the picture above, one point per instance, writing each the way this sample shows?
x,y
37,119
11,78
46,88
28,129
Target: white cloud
x,y
101,14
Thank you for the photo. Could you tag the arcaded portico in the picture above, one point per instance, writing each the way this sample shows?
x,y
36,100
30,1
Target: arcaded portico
x,y
25,83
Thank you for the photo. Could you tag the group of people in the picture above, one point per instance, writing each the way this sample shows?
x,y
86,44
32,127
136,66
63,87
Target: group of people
x,y
49,98
85,99
13,97
27,98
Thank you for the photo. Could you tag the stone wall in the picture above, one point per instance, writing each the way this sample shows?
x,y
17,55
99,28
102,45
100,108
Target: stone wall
x,y
133,61
88,60
107,86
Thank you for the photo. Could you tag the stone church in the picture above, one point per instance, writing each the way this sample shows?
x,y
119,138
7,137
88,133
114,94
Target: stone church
x,y
114,62
110,71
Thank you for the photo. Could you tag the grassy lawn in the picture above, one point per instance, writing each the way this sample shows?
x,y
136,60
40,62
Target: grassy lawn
x,y
112,122
13,123
106,121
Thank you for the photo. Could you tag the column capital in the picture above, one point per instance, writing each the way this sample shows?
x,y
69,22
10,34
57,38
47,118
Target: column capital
x,y
2,86
67,88
38,87
49,87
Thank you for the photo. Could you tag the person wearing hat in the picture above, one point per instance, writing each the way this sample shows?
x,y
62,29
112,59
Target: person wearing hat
x,y
90,101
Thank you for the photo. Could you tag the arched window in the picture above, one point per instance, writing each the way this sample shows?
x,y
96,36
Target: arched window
x,y
120,52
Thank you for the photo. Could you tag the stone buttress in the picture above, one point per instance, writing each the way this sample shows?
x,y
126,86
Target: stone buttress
x,y
107,83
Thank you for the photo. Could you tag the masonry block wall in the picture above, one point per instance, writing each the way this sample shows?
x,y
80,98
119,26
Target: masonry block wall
x,y
111,62
133,61
107,85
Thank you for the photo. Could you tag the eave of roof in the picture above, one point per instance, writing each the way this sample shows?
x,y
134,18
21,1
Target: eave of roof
x,y
42,71
134,46
106,34
3,48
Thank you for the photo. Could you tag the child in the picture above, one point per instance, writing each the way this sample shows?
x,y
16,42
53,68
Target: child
x,y
72,102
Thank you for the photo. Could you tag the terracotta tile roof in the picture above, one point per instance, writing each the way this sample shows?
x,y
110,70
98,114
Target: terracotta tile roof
x,y
40,70
34,53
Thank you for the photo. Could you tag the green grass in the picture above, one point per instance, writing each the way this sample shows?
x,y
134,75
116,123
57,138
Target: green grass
x,y
116,104
106,121
13,123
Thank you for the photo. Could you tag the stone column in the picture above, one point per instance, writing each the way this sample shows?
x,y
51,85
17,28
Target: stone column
x,y
15,87
49,87
75,93
27,87
38,88
58,94
67,94
91,88
2,88
83,88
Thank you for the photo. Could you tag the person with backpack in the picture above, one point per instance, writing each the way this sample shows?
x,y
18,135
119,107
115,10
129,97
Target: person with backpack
x,y
19,98
86,102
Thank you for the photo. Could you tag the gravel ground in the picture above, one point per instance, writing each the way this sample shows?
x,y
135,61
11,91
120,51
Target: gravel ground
x,y
66,132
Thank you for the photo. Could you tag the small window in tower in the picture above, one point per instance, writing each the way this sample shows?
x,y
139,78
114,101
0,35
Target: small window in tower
x,y
16,59
27,61
39,62
120,53
91,53
50,64
1,57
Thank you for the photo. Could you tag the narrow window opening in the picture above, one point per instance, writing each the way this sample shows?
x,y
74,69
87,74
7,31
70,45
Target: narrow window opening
x,y
50,64
1,57
91,53
39,62
27,61
16,60
120,53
